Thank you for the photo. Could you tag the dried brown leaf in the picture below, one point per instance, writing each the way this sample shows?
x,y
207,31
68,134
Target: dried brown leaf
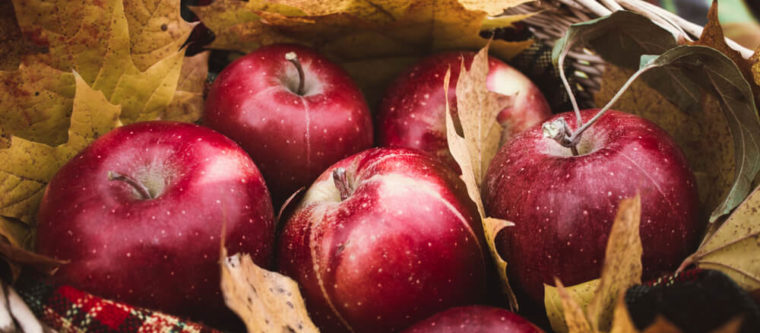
x,y
265,301
712,36
621,319
622,263
187,104
734,247
15,249
575,318
582,293
476,110
704,137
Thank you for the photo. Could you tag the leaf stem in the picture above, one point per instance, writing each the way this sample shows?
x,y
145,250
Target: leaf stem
x,y
293,58
137,186
561,65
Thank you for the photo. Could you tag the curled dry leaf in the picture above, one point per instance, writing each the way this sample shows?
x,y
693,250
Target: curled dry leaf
x,y
574,316
266,301
734,247
28,165
621,269
712,36
15,249
474,149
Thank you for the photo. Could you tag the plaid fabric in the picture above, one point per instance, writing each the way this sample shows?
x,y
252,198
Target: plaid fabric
x,y
66,309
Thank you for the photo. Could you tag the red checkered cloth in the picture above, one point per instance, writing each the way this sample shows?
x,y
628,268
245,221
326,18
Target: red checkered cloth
x,y
66,309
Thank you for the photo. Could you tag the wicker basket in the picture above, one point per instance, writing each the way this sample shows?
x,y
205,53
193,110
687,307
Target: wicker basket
x,y
555,16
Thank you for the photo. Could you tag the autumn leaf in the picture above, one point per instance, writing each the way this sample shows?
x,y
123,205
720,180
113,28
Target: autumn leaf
x,y
581,294
28,165
622,263
93,39
265,301
621,269
359,35
156,30
474,149
734,247
187,104
712,36
621,319
13,45
16,249
704,137
684,77
574,316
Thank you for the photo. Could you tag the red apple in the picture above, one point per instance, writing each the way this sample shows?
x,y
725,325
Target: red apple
x,y
140,214
474,319
412,113
382,239
563,206
292,133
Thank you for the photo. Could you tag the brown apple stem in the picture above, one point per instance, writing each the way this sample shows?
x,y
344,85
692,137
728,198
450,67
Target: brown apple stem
x,y
293,58
137,186
341,183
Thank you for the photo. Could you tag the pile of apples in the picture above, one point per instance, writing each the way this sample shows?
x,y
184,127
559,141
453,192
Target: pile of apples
x,y
384,237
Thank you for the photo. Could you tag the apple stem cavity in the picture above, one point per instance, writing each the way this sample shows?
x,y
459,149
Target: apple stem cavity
x,y
341,183
293,58
141,190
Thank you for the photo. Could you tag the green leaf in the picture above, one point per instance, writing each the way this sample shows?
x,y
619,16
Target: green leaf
x,y
619,38
705,69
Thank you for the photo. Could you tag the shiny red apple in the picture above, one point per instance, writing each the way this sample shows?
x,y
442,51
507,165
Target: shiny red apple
x,y
412,113
474,319
292,110
140,214
383,239
563,206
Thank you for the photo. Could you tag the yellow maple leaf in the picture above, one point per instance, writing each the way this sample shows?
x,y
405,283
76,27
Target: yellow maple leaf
x,y
156,30
93,39
28,165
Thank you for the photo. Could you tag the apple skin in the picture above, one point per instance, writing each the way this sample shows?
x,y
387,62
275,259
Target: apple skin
x,y
292,138
412,113
474,319
563,206
159,253
405,244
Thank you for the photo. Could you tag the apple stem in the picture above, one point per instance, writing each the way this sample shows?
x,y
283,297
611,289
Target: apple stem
x,y
569,138
566,83
137,186
341,183
293,58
